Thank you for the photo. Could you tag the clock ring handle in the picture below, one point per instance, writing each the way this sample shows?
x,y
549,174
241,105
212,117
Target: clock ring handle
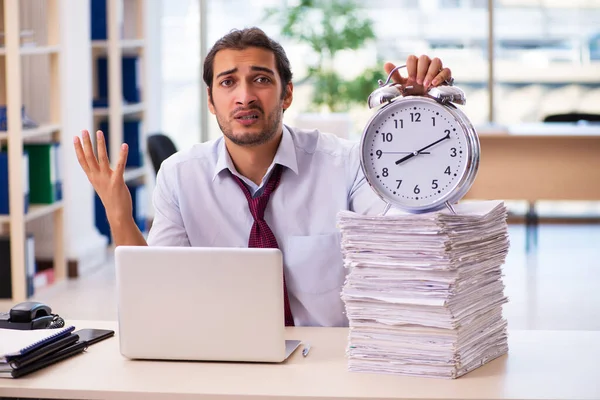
x,y
385,93
381,84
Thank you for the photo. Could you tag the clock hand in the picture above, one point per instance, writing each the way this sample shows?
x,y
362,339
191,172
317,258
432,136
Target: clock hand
x,y
402,152
415,153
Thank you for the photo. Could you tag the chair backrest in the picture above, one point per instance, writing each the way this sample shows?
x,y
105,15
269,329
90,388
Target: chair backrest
x,y
572,117
160,147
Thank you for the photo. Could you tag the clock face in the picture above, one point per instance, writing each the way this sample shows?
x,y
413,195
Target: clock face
x,y
415,153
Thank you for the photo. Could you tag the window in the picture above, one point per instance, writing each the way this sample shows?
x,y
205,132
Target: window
x,y
544,61
546,53
181,71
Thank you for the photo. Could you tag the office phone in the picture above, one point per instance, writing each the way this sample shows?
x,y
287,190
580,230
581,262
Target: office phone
x,y
30,315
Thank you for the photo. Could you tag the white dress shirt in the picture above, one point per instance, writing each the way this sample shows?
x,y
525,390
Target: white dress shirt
x,y
198,203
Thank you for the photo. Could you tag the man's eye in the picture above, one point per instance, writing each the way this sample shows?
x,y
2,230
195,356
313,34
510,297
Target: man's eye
x,y
263,79
226,82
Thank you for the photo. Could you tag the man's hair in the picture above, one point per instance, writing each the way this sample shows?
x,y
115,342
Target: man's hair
x,y
242,39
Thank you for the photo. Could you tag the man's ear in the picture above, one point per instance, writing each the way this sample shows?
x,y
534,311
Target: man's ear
x,y
289,96
211,105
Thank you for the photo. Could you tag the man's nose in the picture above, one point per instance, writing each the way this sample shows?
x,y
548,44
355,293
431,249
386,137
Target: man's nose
x,y
245,95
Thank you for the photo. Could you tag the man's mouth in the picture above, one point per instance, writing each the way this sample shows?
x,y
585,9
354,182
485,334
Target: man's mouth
x,y
248,117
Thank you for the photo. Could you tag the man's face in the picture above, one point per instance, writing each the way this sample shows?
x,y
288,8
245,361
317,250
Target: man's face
x,y
246,95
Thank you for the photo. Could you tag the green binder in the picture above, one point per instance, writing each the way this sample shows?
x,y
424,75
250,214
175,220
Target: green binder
x,y
45,183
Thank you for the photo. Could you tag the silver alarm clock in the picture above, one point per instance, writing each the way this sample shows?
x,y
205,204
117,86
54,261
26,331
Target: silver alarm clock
x,y
419,153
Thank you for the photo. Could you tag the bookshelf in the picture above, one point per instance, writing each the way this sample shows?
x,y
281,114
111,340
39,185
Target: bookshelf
x,y
29,78
121,37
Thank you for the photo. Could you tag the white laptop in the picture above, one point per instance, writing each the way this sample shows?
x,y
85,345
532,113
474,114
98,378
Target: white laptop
x,y
200,303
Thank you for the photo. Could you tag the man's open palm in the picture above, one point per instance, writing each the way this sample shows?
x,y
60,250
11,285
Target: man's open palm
x,y
108,183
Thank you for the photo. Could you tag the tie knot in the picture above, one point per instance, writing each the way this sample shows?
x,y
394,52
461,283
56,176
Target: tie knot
x,y
258,205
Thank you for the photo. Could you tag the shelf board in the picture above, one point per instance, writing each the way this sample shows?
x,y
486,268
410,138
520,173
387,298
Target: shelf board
x,y
134,173
123,44
133,108
33,50
35,211
31,133
41,210
39,50
132,43
126,109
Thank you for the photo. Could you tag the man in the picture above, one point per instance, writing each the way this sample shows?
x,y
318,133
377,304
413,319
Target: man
x,y
262,184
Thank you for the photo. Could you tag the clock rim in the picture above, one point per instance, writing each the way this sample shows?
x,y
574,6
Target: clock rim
x,y
468,177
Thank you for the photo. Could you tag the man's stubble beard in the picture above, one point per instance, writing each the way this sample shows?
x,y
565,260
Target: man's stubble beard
x,y
253,139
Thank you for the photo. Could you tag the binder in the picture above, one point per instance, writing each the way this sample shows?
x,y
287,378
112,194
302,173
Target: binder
x,y
139,211
5,263
130,80
138,201
100,219
45,182
30,264
4,193
131,136
98,21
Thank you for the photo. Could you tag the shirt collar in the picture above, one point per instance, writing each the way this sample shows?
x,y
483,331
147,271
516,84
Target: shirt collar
x,y
285,155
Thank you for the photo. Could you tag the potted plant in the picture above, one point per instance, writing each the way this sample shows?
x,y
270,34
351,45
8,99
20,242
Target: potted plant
x,y
329,27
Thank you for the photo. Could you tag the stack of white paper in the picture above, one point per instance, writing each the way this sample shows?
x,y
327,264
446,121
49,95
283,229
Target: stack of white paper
x,y
424,292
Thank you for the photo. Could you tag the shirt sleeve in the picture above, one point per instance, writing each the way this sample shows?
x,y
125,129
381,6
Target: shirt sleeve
x,y
362,198
167,227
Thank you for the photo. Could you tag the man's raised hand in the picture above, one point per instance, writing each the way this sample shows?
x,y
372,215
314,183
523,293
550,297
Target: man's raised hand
x,y
108,183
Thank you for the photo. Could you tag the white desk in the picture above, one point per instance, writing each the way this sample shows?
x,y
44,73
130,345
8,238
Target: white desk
x,y
540,365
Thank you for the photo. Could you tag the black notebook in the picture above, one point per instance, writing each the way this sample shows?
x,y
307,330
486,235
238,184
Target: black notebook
x,y
32,356
49,359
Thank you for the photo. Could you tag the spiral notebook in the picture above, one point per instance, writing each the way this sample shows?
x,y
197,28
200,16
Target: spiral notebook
x,y
14,343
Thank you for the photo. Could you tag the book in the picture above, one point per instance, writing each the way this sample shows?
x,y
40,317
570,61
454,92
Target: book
x,y
35,355
52,358
15,343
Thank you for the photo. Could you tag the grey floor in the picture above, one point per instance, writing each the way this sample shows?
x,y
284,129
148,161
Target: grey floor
x,y
554,286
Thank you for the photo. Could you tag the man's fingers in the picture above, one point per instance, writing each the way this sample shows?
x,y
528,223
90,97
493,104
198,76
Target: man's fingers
x,y
411,68
396,77
422,68
434,69
80,154
89,152
102,152
444,75
120,169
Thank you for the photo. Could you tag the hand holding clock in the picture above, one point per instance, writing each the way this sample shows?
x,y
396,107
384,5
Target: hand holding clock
x,y
423,74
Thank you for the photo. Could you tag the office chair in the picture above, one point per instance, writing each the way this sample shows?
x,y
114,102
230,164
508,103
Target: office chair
x,y
572,117
160,147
